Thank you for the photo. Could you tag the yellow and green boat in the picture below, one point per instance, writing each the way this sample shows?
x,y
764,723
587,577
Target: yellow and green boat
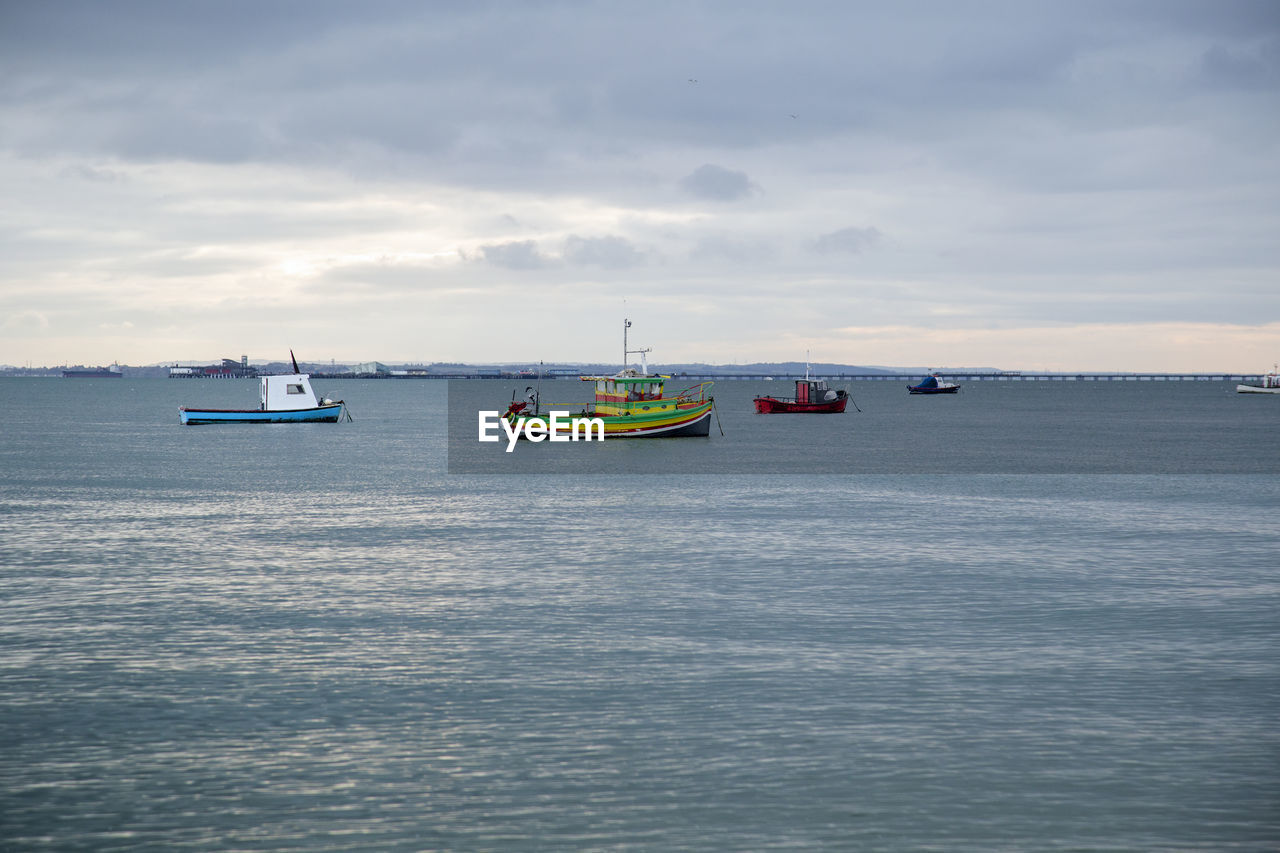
x,y
633,404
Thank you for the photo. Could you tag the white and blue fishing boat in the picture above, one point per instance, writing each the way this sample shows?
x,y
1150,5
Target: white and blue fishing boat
x,y
285,399
934,384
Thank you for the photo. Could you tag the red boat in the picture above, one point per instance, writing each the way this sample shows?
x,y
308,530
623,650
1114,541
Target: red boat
x,y
812,395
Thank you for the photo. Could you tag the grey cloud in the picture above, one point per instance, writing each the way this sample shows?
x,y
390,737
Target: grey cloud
x,y
733,250
848,240
85,172
1254,68
612,253
718,183
516,255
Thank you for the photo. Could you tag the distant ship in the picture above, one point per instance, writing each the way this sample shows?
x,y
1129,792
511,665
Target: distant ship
x,y
92,373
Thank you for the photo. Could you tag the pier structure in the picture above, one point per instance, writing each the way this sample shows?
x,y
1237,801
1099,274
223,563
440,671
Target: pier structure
x,y
977,376
702,376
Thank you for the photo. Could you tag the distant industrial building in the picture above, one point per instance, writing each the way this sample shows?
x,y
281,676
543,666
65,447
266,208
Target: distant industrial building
x,y
229,369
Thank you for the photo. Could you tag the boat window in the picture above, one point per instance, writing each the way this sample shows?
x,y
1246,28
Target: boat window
x,y
294,389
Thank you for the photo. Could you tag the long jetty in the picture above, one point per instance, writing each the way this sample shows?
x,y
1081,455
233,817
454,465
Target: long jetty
x,y
953,375
993,377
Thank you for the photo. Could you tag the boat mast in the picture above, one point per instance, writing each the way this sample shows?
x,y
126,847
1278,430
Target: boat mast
x,y
626,324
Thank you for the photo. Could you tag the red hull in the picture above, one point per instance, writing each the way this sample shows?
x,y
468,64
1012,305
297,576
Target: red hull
x,y
772,405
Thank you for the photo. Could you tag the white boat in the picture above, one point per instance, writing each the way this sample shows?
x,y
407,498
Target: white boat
x,y
284,399
1270,384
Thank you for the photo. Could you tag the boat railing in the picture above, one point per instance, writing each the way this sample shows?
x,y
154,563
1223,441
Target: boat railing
x,y
694,392
574,409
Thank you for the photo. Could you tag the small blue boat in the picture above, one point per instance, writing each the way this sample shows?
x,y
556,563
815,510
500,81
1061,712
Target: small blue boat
x,y
934,384
285,399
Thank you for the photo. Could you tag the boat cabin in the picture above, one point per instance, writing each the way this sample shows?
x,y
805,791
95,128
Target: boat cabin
x,y
287,393
630,392
814,391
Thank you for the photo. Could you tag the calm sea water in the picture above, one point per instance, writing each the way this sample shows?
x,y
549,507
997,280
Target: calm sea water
x,y
316,638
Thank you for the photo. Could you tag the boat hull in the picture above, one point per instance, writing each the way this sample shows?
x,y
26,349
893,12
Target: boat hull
x,y
772,405
1256,389
696,423
689,420
953,389
319,414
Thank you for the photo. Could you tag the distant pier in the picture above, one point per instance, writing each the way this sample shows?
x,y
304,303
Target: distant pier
x,y
994,377
954,376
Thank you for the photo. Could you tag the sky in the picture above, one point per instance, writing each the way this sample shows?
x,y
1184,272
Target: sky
x,y
1039,186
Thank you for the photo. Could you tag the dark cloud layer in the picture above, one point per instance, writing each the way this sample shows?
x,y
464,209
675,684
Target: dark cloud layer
x,y
453,86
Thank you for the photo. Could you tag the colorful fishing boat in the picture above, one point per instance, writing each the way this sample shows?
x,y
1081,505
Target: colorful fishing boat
x,y
284,399
934,384
632,404
1270,385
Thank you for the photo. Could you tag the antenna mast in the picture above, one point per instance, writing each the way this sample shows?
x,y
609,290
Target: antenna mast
x,y
626,324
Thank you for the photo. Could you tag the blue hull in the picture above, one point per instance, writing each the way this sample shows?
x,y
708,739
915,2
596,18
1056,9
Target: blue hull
x,y
320,414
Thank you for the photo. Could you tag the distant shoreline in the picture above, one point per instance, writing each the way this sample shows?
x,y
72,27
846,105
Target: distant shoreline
x,y
838,373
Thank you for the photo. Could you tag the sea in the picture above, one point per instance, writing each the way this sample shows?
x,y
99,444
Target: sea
x,y
1032,616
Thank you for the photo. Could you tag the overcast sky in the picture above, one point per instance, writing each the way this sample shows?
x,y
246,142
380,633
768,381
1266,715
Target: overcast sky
x,y
1077,186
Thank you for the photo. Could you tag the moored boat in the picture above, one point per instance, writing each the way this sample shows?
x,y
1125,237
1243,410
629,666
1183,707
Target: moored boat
x,y
812,396
1270,385
933,384
632,404
284,398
